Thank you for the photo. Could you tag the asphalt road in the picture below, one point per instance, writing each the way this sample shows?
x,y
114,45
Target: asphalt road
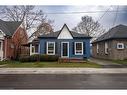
x,y
66,81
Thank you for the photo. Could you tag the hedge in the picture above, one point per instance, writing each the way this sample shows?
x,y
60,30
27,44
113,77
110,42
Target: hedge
x,y
39,57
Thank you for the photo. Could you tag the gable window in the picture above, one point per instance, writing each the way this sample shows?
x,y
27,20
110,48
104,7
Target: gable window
x,y
97,48
106,48
78,48
51,48
120,46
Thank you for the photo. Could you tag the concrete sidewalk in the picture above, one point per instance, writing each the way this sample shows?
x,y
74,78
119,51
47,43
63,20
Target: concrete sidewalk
x,y
63,70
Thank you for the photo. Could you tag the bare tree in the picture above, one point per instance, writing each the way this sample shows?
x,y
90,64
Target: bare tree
x,y
43,28
30,17
28,14
89,27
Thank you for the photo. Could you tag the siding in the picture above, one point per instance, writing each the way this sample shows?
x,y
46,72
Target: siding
x,y
114,53
86,52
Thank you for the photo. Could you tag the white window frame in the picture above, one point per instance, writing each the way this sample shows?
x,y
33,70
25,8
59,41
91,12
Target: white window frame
x,y
97,48
81,50
106,48
32,46
48,50
120,44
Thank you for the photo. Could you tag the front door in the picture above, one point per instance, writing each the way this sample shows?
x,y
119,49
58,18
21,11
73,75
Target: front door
x,y
64,49
1,50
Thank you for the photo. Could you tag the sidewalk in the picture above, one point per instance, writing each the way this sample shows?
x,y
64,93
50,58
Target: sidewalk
x,y
63,71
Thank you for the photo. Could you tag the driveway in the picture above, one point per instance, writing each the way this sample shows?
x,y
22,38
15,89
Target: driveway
x,y
107,63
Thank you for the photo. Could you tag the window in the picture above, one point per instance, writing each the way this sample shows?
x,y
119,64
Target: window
x,y
97,48
36,48
106,48
78,48
120,46
0,46
33,49
51,48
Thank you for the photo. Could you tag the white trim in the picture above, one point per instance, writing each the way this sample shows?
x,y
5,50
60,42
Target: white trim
x,y
1,50
62,50
122,44
65,33
106,48
32,46
47,49
82,48
97,49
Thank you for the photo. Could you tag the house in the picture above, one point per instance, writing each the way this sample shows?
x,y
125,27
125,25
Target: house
x,y
111,45
64,43
12,35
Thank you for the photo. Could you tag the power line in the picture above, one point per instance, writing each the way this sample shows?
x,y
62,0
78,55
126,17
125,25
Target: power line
x,y
115,17
122,11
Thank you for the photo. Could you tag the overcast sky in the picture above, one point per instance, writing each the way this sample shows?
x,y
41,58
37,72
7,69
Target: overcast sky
x,y
73,19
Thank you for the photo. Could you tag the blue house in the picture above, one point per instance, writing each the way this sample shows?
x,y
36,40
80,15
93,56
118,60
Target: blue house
x,y
65,44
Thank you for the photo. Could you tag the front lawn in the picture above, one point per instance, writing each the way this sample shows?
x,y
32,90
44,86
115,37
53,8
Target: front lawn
x,y
16,64
124,62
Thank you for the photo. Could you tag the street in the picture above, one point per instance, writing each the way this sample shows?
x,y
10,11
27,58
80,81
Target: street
x,y
63,81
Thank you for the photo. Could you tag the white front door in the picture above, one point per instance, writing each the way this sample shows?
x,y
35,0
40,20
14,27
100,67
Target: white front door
x,y
64,49
1,50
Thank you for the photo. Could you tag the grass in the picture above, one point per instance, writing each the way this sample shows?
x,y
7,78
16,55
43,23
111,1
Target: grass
x,y
124,62
16,64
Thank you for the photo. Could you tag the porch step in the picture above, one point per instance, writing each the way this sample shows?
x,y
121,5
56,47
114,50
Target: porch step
x,y
74,60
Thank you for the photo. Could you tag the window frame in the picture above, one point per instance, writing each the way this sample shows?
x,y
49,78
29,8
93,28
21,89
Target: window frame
x,y
120,44
47,51
97,50
81,50
106,48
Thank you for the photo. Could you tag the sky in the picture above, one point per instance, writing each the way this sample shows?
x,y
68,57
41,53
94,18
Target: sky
x,y
63,14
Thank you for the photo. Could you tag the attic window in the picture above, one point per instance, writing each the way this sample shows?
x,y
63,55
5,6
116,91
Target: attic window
x,y
120,46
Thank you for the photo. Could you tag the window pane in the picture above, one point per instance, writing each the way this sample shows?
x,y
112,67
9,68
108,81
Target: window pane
x,y
36,48
78,46
50,46
32,49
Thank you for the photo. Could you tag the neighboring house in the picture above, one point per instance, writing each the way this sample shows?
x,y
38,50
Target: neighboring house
x,y
12,35
65,43
111,45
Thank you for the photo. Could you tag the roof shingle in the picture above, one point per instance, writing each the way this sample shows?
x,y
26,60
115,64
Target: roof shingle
x,y
117,32
9,27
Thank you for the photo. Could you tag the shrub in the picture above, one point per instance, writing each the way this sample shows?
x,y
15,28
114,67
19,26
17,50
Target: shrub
x,y
24,59
39,57
49,57
34,58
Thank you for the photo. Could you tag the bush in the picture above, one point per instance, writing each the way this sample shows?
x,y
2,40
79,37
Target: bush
x,y
24,59
39,57
49,57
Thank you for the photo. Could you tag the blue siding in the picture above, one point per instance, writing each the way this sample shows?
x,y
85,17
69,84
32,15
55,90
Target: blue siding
x,y
86,52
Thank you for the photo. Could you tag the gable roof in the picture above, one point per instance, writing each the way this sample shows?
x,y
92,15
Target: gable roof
x,y
57,33
9,27
117,32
